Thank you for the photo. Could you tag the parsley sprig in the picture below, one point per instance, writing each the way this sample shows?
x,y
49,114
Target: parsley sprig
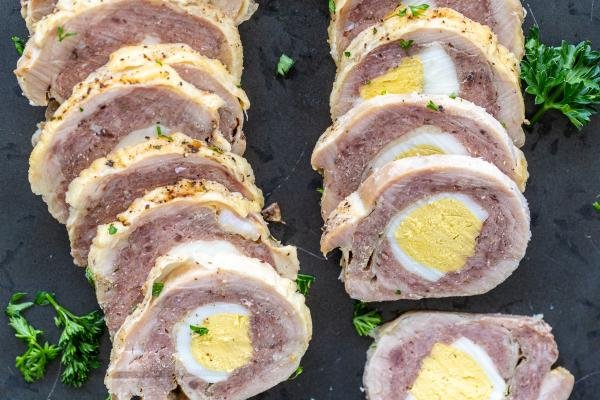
x,y
32,364
304,282
62,35
19,44
564,78
365,319
284,65
79,340
414,11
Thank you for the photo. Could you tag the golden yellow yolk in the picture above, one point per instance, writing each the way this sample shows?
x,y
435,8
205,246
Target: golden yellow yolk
x,y
449,373
420,150
405,78
440,235
226,346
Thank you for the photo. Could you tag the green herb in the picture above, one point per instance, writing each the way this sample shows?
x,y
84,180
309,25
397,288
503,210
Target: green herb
x,y
304,282
596,206
159,62
564,78
398,292
216,149
19,44
89,275
452,95
331,6
406,44
347,54
161,135
364,319
62,35
32,364
112,229
157,288
374,31
383,92
284,65
415,11
200,330
320,190
79,340
297,372
432,106
80,109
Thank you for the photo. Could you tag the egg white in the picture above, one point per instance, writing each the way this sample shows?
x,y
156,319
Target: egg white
x,y
232,222
439,71
423,135
208,248
408,262
183,335
499,386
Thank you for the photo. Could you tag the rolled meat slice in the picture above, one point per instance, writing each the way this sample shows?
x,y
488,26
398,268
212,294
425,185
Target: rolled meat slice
x,y
112,183
34,10
436,226
117,108
227,327
79,37
196,216
441,355
440,52
390,127
351,17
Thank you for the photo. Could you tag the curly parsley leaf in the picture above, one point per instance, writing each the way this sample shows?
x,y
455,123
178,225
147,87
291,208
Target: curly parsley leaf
x,y
32,364
596,206
79,340
365,319
200,330
304,282
19,44
284,65
414,11
62,35
331,4
564,78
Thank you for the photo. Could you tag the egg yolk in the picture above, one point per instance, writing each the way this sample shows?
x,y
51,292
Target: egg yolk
x,y
449,373
440,235
420,150
226,346
405,78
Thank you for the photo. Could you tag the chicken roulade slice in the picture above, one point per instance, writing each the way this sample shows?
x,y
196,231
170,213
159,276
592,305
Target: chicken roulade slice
x,y
112,183
198,216
390,127
222,327
441,52
117,108
441,355
351,17
79,37
34,10
435,226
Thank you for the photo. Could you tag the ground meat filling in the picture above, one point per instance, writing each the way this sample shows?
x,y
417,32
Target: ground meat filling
x,y
390,123
118,191
474,74
134,22
523,352
97,135
361,14
155,235
231,115
273,330
372,256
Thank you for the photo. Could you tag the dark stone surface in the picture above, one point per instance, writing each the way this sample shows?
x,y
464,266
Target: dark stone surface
x,y
559,277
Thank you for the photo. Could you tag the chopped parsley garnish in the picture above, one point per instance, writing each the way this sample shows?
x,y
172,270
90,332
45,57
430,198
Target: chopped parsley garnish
x,y
159,62
406,44
452,95
89,275
596,206
216,149
564,78
62,35
297,372
200,330
347,54
432,106
157,288
112,229
365,319
304,282
80,109
320,190
161,135
331,4
31,364
284,65
414,11
398,292
79,340
19,44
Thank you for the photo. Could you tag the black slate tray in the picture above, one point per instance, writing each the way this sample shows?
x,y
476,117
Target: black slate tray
x,y
560,276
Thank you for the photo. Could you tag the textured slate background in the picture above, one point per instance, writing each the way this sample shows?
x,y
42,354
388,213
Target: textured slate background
x,y
559,278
